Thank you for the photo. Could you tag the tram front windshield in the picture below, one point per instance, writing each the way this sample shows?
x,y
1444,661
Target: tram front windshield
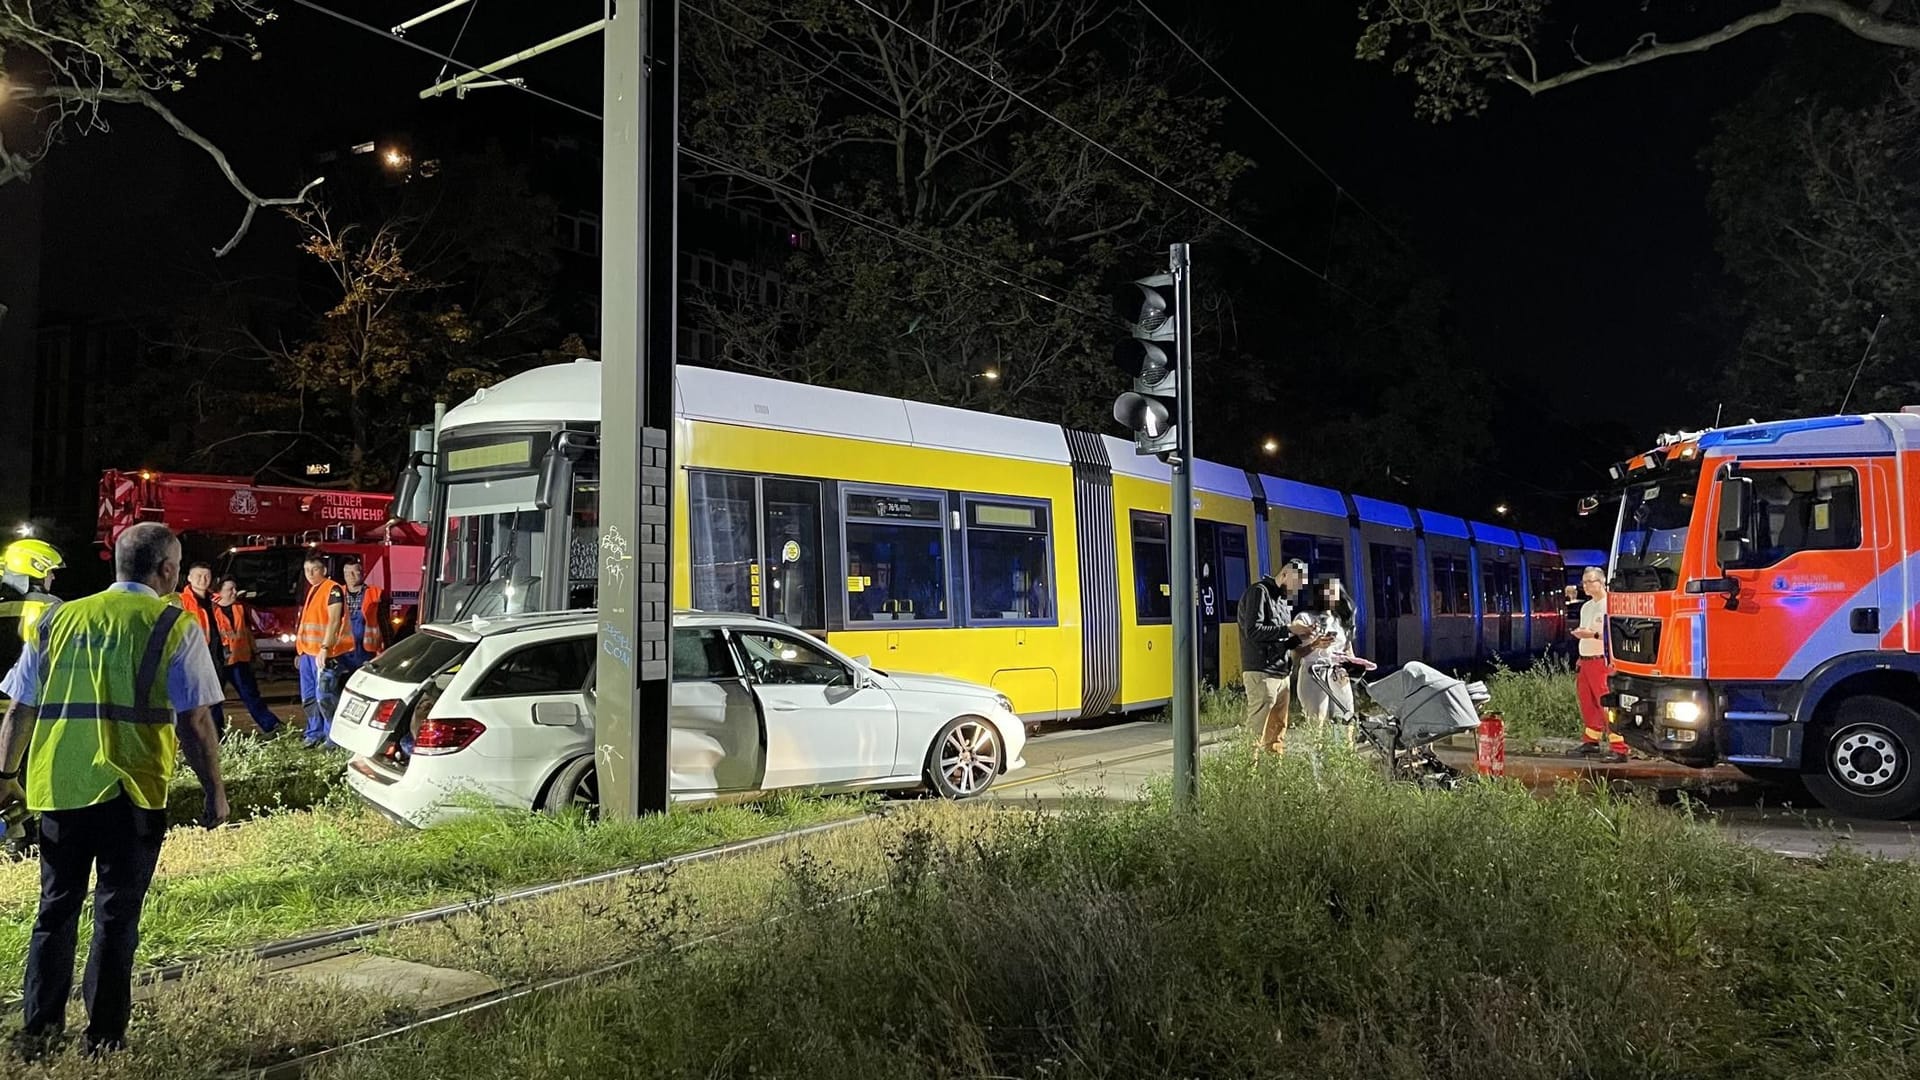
x,y
492,550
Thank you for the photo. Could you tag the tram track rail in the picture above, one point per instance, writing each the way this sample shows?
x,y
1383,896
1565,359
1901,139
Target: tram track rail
x,y
293,952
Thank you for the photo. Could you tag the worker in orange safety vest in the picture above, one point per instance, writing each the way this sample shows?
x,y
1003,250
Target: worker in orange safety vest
x,y
366,619
319,643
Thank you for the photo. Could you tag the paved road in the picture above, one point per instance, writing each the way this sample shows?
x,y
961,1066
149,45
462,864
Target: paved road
x,y
1119,759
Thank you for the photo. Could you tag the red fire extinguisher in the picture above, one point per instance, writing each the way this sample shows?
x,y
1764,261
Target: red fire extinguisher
x,y
1490,746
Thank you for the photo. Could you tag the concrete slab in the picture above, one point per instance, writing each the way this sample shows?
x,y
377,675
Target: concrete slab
x,y
427,986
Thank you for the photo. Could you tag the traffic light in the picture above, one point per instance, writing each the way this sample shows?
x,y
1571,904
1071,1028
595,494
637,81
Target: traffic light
x,y
1150,410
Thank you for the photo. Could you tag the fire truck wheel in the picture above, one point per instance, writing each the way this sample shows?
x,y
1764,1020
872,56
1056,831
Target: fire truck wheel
x,y
1861,761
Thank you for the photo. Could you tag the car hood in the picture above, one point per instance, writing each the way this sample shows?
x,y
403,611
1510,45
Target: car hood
x,y
934,684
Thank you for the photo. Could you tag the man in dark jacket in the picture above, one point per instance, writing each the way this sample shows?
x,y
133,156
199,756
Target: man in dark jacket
x,y
1268,644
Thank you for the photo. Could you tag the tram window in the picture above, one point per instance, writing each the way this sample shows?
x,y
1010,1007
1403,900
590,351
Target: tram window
x,y
722,527
791,517
1233,564
1442,585
1008,573
1152,584
1325,557
583,542
896,557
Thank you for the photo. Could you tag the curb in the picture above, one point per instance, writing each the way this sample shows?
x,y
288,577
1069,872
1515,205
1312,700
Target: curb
x,y
1533,769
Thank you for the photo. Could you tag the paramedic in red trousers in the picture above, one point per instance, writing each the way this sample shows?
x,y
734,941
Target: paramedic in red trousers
x,y
1593,671
318,646
366,620
197,599
111,692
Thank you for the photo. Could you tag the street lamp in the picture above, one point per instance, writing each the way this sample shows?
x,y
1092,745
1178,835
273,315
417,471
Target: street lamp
x,y
1271,446
990,375
1500,509
396,159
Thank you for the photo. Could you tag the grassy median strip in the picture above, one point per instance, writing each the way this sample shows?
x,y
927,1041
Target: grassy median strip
x,y
340,864
1290,927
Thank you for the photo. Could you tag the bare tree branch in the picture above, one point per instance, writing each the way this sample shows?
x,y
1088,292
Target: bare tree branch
x,y
142,98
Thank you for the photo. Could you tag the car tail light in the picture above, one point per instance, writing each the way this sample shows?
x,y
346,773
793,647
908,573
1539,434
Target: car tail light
x,y
383,714
446,736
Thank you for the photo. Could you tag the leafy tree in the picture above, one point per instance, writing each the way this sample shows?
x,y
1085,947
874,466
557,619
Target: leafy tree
x,y
67,61
427,296
1011,230
1817,194
1458,51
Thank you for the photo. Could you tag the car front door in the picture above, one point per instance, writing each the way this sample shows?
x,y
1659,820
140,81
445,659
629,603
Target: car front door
x,y
826,723
716,728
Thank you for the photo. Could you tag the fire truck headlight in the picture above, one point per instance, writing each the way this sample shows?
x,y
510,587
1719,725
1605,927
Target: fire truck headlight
x,y
1679,735
1683,712
286,639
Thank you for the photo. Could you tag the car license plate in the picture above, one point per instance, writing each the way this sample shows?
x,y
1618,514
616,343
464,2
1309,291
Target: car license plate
x,y
269,657
353,709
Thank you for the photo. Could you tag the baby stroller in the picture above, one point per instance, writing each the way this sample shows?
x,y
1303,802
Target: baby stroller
x,y
1401,715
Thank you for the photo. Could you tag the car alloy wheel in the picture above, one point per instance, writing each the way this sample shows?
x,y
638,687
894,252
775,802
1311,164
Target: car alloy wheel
x,y
968,757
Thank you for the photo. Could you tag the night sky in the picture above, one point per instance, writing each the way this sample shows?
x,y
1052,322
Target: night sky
x,y
1572,229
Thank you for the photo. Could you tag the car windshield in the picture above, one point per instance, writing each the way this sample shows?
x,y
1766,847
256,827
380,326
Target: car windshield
x,y
493,550
1653,533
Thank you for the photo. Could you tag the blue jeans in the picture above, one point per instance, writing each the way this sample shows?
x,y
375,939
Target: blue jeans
x,y
240,677
319,696
122,842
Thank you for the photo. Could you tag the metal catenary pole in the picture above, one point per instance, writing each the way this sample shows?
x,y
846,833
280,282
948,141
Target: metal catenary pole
x,y
1186,659
638,190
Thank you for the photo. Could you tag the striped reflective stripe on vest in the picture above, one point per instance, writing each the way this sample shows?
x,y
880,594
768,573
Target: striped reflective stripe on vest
x,y
143,683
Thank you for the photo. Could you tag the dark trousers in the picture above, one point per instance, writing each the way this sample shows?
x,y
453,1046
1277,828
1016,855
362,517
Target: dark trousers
x,y
121,841
240,677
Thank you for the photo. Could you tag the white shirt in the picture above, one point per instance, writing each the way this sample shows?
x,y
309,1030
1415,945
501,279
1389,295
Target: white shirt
x,y
1593,616
191,681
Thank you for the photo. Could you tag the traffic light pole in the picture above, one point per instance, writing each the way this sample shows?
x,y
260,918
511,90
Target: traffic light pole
x,y
639,174
1186,655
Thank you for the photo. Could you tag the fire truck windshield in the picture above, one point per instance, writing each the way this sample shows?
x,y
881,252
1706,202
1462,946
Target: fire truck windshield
x,y
1653,532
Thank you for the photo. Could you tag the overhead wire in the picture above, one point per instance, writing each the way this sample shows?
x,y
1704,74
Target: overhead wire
x,y
440,56
891,231
458,38
1340,190
1016,95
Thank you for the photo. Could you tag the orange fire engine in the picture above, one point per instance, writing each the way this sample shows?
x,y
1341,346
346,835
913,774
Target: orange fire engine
x,y
1762,609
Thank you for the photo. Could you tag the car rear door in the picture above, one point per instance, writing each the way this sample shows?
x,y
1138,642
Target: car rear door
x,y
527,674
825,722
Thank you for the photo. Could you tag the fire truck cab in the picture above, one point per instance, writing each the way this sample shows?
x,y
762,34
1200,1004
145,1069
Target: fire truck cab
x,y
1762,605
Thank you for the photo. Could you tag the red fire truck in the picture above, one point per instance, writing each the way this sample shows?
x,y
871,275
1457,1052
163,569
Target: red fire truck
x,y
1765,605
262,535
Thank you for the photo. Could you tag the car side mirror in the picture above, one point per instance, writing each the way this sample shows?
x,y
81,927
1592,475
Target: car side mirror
x,y
556,713
863,661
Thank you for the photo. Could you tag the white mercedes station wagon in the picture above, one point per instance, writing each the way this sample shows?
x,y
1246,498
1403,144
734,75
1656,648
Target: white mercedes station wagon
x,y
501,711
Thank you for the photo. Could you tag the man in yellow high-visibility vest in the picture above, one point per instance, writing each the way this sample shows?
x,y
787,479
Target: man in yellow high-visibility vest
x,y
113,688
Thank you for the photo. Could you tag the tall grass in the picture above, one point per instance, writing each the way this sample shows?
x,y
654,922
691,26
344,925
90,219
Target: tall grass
x,y
341,864
261,776
1537,702
1288,927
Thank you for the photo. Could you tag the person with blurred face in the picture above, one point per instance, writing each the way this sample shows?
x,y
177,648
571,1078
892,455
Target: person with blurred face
x,y
237,626
366,620
318,646
197,599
